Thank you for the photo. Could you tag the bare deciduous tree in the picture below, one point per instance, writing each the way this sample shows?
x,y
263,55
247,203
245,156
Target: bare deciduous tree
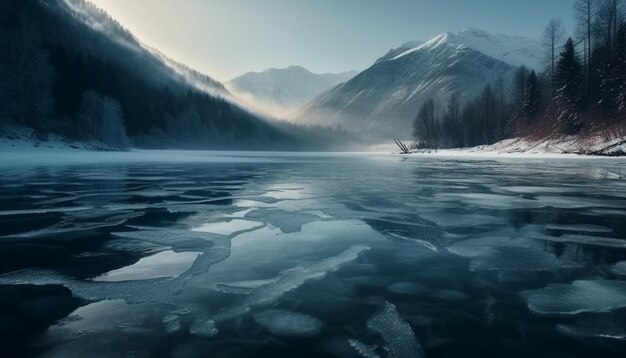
x,y
585,16
609,15
426,125
552,37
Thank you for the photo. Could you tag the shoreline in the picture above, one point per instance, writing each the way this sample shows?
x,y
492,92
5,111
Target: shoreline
x,y
572,146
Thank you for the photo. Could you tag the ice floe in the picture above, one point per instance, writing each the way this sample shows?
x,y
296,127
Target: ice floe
x,y
160,265
580,296
407,288
580,228
179,240
44,211
288,281
213,248
481,246
243,287
619,268
65,229
202,325
287,323
363,349
229,227
506,254
597,326
171,322
400,341
287,222
519,259
586,240
491,201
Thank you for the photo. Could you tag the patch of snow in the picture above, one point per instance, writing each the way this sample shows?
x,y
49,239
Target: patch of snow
x,y
21,140
514,50
569,146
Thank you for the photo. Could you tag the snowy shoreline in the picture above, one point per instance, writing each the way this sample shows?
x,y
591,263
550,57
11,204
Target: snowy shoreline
x,y
23,151
568,147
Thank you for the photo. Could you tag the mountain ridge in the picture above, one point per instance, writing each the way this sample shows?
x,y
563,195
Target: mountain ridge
x,y
384,99
279,91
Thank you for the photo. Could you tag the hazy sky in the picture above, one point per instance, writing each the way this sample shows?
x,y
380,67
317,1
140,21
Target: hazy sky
x,y
226,38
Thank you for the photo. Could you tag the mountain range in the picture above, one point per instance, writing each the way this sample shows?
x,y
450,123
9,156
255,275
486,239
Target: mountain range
x,y
279,92
383,100
79,49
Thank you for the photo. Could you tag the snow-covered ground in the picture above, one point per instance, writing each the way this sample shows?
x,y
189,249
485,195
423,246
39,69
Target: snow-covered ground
x,y
14,139
553,147
54,144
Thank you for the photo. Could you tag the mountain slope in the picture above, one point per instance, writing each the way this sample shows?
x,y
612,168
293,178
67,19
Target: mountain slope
x,y
383,100
281,91
83,63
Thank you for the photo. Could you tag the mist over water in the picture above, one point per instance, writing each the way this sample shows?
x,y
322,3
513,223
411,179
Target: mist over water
x,y
313,255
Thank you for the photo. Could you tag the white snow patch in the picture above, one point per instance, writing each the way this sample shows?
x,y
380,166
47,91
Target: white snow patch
x,y
568,146
514,50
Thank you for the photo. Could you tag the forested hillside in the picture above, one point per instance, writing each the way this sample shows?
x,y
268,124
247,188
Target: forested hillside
x,y
581,91
68,68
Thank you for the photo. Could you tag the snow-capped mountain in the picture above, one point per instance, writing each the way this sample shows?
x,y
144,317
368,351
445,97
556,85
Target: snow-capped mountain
x,y
281,91
383,100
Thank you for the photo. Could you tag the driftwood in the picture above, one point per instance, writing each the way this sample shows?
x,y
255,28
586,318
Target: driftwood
x,y
402,146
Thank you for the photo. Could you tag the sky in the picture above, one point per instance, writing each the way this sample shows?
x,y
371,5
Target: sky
x,y
227,38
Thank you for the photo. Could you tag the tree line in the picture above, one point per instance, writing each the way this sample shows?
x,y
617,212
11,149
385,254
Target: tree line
x,y
581,91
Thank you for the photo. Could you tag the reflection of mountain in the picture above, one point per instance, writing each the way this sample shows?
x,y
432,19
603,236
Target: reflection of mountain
x,y
281,91
383,100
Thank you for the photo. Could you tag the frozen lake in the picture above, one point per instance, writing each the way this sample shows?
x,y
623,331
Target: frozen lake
x,y
185,254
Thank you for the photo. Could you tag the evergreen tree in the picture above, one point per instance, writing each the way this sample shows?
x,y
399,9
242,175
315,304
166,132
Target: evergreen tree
x,y
567,93
613,78
532,97
26,74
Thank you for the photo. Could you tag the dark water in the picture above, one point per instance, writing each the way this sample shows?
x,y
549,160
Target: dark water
x,y
269,255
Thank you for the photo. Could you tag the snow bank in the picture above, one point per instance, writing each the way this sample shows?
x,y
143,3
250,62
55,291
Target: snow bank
x,y
24,141
551,147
